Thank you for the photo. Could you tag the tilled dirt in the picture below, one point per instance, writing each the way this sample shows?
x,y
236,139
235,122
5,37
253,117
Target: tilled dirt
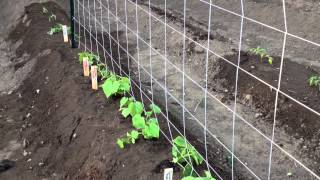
x,y
55,127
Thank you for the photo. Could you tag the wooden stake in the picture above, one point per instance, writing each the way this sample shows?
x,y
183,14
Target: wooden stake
x,y
94,77
85,64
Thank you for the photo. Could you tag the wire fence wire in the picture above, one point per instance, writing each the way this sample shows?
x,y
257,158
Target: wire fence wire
x,y
127,35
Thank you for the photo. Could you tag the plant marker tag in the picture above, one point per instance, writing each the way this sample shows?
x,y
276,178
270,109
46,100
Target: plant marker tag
x,y
85,64
94,77
65,33
168,173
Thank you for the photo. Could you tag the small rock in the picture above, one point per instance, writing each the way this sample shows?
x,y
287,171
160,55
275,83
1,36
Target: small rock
x,y
42,142
38,91
25,143
74,135
28,115
29,160
10,92
9,120
252,67
41,164
25,153
19,95
257,115
30,168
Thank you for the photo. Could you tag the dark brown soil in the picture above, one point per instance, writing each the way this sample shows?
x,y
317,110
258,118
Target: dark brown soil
x,y
71,130
293,82
298,121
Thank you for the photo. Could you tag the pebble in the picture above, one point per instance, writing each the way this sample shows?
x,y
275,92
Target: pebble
x,y
38,91
25,143
10,92
9,120
74,135
29,160
252,67
257,115
28,115
30,168
41,164
25,153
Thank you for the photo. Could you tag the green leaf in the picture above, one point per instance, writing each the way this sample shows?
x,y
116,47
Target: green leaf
x,y
188,171
125,112
138,122
110,87
135,108
149,113
270,60
123,101
135,134
124,84
179,141
138,107
120,143
151,130
155,108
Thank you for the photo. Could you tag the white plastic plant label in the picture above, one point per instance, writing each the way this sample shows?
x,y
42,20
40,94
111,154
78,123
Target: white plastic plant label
x,y
94,77
85,64
168,174
65,33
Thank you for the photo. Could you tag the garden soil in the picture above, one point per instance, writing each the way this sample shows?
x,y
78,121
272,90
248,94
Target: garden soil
x,y
55,127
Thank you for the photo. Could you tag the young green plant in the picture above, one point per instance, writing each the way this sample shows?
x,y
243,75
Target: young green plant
x,y
147,126
314,80
181,151
115,85
57,28
262,53
103,71
130,138
207,176
92,58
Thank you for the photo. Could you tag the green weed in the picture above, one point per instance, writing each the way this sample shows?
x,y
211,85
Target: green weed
x,y
314,80
262,53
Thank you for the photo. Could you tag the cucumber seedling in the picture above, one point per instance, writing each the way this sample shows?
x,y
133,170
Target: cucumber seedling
x,y
103,72
128,106
130,138
146,126
116,85
57,28
181,151
207,176
262,53
91,57
314,80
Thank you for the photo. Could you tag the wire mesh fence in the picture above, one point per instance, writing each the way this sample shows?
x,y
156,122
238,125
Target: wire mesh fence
x,y
245,115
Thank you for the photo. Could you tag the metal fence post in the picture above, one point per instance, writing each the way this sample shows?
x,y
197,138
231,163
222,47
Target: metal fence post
x,y
73,40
